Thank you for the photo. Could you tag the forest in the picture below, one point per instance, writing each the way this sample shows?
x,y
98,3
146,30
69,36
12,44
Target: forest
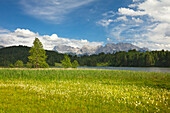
x,y
132,58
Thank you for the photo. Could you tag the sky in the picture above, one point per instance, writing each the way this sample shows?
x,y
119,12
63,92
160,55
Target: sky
x,y
144,23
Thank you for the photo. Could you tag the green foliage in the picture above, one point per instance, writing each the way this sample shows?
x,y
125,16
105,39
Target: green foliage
x,y
83,91
29,65
11,66
44,65
131,58
149,60
58,65
75,64
102,64
66,61
38,55
19,64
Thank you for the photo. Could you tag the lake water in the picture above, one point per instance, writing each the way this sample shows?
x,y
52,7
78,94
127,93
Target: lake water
x,y
147,69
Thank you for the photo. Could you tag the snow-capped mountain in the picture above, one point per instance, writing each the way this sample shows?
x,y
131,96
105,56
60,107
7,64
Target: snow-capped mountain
x,y
108,48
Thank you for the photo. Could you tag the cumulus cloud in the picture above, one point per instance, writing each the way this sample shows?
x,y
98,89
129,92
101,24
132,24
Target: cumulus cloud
x,y
4,30
108,39
147,24
157,9
159,34
124,18
52,10
26,37
105,22
137,20
154,46
130,12
136,0
25,33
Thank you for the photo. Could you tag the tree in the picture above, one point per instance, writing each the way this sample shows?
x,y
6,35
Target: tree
x,y
66,61
38,55
124,60
29,65
149,60
19,63
11,66
75,64
58,65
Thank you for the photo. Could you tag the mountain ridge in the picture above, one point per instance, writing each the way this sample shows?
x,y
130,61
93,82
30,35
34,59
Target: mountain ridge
x,y
1,46
108,48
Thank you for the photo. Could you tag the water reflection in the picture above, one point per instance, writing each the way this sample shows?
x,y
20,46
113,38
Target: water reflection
x,y
147,69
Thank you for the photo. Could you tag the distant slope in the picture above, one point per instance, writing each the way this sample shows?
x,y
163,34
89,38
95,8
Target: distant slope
x,y
108,48
12,54
1,46
9,55
112,48
132,58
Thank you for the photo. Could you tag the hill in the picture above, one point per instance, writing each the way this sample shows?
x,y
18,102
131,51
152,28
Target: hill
x,y
132,58
1,46
9,55
108,48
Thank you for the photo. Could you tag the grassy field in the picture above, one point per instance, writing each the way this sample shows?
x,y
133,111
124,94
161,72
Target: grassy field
x,y
92,91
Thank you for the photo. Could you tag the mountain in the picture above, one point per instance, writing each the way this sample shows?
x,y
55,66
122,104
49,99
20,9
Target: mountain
x,y
65,49
1,46
87,50
112,48
108,48
9,55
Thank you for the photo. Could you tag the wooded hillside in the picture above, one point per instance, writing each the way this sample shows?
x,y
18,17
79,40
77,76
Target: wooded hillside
x,y
10,55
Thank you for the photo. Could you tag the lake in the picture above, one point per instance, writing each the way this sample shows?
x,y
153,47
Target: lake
x,y
147,69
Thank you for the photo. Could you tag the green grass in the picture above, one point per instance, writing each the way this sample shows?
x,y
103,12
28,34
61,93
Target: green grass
x,y
72,90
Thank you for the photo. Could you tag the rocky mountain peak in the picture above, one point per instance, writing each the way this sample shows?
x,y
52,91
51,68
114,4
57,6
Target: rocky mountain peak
x,y
65,49
108,48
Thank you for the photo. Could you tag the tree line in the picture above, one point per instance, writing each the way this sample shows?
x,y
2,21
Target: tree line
x,y
38,57
131,58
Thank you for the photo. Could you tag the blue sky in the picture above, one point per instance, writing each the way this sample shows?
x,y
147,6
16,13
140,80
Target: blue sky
x,y
145,23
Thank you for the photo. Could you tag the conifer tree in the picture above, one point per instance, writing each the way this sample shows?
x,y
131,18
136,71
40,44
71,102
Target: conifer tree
x,y
66,61
38,55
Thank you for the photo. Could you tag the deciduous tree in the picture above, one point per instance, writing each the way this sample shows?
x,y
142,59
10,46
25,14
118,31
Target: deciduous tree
x,y
75,64
19,63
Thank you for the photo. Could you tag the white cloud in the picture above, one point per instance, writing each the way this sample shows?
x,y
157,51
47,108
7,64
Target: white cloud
x,y
157,9
25,33
132,5
4,30
147,24
136,0
122,18
154,46
52,10
137,20
109,14
130,12
108,39
26,37
160,34
105,22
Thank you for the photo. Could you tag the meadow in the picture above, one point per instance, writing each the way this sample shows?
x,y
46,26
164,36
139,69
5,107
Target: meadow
x,y
81,91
